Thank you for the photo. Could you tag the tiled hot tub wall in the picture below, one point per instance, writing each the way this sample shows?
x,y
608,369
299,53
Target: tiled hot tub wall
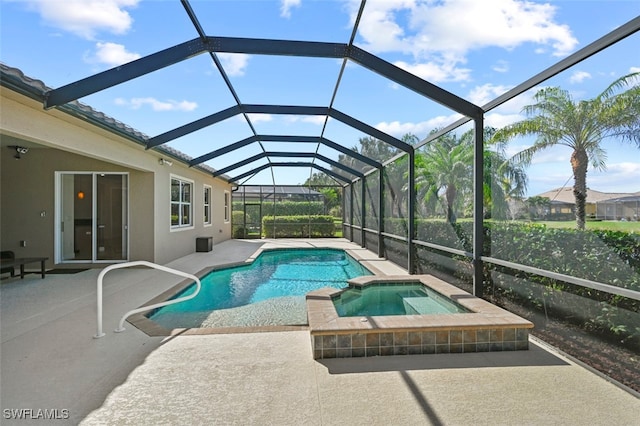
x,y
486,328
418,342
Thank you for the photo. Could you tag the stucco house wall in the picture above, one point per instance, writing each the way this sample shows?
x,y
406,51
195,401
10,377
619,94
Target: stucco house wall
x,y
58,141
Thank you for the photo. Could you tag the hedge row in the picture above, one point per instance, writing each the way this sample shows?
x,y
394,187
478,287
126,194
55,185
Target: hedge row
x,y
286,208
610,257
298,226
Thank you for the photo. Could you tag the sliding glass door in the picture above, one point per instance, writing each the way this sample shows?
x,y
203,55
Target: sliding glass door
x,y
93,212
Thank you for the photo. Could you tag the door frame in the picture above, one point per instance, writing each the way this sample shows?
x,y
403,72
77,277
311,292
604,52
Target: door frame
x,y
58,241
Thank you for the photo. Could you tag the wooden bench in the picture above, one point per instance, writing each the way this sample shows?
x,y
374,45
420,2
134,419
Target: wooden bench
x,y
21,261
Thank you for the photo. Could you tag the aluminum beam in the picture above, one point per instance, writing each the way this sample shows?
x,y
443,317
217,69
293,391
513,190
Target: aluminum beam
x,y
286,138
193,126
250,172
351,153
380,213
123,73
372,131
411,213
239,164
288,154
291,110
258,46
284,109
223,150
290,164
414,83
319,157
199,45
363,213
478,207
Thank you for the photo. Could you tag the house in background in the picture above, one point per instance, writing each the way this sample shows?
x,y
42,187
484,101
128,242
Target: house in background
x,y
621,208
600,205
80,188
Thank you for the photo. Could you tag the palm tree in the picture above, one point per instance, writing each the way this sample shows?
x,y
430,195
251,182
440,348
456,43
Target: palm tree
x,y
445,165
503,180
557,119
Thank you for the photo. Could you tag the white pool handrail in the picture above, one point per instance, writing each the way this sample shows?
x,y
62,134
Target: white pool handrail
x,y
121,328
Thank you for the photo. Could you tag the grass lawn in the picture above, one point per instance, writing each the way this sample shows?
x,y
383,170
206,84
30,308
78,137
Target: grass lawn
x,y
610,225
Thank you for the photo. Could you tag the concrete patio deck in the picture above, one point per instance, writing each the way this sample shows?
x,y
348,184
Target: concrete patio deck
x,y
50,361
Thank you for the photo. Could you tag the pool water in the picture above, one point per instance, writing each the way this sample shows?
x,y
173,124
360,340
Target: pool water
x,y
270,291
394,299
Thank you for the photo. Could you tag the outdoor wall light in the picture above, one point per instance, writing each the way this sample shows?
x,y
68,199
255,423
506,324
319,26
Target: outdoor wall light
x,y
165,162
20,150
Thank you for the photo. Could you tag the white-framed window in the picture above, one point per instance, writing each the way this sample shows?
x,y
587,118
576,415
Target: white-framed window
x,y
207,204
181,202
226,206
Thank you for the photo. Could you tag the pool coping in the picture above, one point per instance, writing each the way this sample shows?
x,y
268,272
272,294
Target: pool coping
x,y
153,329
486,328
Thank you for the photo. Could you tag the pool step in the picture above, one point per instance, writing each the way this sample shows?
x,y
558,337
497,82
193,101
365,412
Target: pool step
x,y
415,305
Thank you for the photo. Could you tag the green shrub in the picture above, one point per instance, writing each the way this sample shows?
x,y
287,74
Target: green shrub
x,y
298,226
239,232
237,217
611,257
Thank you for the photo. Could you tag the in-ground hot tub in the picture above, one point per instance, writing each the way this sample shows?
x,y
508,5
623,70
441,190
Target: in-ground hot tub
x,y
393,298
475,326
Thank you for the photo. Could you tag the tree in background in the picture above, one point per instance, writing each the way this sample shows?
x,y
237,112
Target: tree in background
x,y
394,173
330,189
443,168
539,207
503,180
557,119
444,172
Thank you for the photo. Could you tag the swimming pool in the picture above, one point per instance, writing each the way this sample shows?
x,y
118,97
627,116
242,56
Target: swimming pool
x,y
394,299
270,291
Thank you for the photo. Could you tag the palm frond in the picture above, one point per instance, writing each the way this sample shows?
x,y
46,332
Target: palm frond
x,y
619,84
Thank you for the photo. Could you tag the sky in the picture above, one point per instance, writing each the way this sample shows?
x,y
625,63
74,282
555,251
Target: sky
x,y
474,49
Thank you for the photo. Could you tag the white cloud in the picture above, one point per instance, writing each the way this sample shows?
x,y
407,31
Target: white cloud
x,y
287,5
481,95
514,148
488,92
500,120
501,66
234,63
552,155
111,54
86,18
579,77
421,129
436,71
440,34
619,177
258,118
461,25
634,69
156,105
312,119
